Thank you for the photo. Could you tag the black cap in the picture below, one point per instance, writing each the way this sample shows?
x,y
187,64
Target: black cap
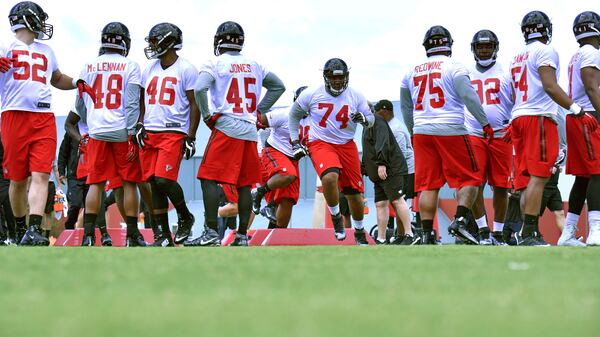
x,y
384,104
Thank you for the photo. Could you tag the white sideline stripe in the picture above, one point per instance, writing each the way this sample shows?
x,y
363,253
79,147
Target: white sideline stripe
x,y
264,243
69,238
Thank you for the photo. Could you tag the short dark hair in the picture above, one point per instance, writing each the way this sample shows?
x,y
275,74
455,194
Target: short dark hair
x,y
384,104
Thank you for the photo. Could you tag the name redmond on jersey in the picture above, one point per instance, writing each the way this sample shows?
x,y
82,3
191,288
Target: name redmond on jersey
x,y
106,66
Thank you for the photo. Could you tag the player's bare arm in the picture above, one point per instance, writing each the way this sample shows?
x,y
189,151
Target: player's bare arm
x,y
591,81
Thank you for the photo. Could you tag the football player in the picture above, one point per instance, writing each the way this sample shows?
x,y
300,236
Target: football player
x,y
166,128
433,99
333,111
111,119
28,70
279,167
583,149
235,83
493,86
533,129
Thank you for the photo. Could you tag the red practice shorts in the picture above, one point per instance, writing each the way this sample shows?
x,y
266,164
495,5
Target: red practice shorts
x,y
161,157
82,165
29,140
494,160
108,160
441,159
535,139
113,183
230,160
344,157
583,149
231,193
275,162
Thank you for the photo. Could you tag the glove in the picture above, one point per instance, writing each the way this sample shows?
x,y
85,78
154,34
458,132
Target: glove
x,y
132,149
359,117
140,134
299,150
560,159
211,120
83,142
82,87
507,134
5,64
488,133
188,147
588,120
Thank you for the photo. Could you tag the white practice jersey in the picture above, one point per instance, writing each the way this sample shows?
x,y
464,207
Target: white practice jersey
x,y
280,133
431,83
530,97
329,117
495,94
26,86
586,56
165,99
108,75
238,85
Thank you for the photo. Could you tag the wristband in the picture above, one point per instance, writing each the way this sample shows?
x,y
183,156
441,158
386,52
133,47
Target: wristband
x,y
575,109
75,82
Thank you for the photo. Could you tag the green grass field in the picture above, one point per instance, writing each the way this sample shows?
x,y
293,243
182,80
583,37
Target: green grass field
x,y
300,291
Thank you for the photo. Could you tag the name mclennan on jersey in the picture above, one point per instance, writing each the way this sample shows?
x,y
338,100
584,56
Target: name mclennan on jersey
x,y
106,66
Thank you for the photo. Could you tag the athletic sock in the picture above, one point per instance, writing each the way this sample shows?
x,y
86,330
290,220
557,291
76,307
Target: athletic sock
x,y
35,221
461,212
20,222
132,225
530,224
481,222
334,210
262,190
427,225
498,226
358,224
162,222
89,221
572,219
182,210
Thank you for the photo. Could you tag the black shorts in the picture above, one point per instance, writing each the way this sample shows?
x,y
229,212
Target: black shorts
x,y
389,189
76,193
551,199
408,183
50,199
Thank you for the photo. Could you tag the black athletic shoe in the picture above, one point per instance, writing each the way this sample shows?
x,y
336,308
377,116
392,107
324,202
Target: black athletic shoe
x,y
33,237
88,241
381,243
106,240
410,240
498,239
360,237
269,213
210,237
485,238
240,240
20,233
338,227
135,240
535,239
184,228
256,199
458,228
429,238
8,242
163,241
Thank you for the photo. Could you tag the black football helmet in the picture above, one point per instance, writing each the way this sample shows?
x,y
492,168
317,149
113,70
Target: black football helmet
x,y
27,14
336,75
483,57
298,92
586,24
161,38
115,35
536,24
229,35
437,39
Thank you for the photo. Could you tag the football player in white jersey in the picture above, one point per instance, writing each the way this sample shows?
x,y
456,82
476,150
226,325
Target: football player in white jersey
x,y
533,129
493,85
111,119
166,128
235,83
279,167
28,71
433,99
583,150
333,111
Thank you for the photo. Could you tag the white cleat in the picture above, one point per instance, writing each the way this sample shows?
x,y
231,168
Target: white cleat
x,y
593,238
567,238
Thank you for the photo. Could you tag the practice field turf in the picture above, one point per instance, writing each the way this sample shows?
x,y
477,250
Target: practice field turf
x,y
300,291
